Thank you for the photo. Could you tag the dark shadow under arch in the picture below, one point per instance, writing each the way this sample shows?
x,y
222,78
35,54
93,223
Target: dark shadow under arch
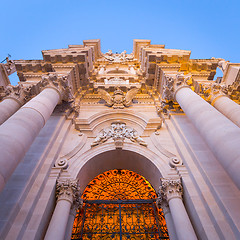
x,y
119,159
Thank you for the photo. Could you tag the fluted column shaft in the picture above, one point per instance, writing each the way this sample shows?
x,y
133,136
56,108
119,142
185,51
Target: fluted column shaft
x,y
228,108
67,193
20,130
221,135
7,108
171,191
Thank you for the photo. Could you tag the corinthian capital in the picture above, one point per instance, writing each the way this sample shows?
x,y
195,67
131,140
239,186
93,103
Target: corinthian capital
x,y
172,83
170,188
59,83
20,93
68,190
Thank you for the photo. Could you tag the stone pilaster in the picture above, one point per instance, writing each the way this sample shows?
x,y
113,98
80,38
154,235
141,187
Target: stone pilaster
x,y
67,193
171,192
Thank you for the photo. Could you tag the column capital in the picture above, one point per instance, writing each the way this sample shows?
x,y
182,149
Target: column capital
x,y
170,188
58,82
68,190
20,93
211,92
171,84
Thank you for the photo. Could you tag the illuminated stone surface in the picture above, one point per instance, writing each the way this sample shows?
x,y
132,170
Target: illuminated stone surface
x,y
57,125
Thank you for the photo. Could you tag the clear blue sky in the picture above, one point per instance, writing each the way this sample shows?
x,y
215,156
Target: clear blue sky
x,y
209,28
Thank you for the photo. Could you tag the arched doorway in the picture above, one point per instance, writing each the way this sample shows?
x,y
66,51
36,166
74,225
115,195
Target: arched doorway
x,y
119,204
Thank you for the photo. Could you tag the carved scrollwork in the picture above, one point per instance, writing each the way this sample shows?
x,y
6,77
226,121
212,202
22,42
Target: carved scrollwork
x,y
118,132
61,163
170,188
174,162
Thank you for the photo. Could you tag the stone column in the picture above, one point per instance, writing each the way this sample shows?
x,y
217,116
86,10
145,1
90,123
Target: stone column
x,y
171,191
16,96
71,218
20,130
221,135
67,192
7,108
168,217
227,107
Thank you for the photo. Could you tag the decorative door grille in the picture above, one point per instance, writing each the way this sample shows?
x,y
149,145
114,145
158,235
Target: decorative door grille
x,y
120,219
119,204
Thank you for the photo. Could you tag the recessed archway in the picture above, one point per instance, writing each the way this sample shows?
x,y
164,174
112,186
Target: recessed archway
x,y
119,159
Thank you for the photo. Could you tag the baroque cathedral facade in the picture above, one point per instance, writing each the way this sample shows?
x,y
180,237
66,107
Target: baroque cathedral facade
x,y
119,146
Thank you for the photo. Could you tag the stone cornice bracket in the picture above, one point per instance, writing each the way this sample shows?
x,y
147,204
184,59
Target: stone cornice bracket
x,y
19,93
170,188
58,82
68,190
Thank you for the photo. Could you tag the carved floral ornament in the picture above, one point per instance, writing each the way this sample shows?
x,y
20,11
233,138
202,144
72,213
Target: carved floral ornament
x,y
68,190
118,132
172,83
170,188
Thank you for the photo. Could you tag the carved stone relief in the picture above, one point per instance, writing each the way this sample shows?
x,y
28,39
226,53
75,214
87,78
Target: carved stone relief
x,y
170,188
118,132
118,99
68,190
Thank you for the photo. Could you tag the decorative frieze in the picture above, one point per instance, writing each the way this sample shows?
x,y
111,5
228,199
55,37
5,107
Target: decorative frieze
x,y
118,132
170,188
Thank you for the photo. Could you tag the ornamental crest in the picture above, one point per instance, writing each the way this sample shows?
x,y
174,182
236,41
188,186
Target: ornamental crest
x,y
118,99
118,132
118,58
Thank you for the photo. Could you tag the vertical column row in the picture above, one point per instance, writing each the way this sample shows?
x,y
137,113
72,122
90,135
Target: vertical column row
x,y
20,130
221,134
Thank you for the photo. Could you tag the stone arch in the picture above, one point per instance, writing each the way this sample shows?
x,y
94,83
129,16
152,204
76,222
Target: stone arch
x,y
106,157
